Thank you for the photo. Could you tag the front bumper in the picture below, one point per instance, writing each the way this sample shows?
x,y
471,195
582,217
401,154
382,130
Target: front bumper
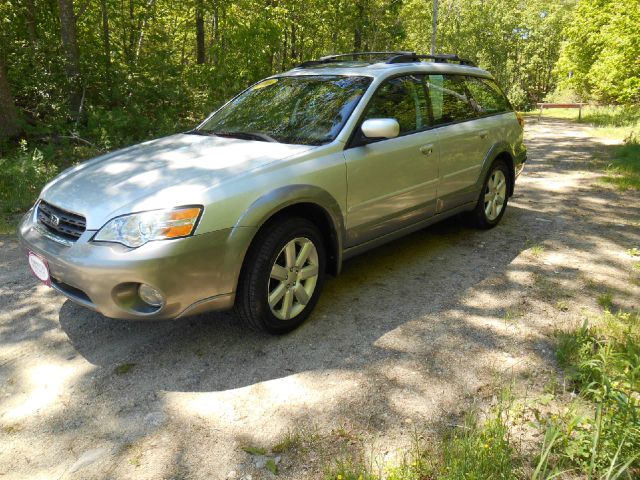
x,y
195,274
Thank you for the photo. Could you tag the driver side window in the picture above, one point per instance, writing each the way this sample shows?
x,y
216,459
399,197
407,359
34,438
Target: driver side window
x,y
402,98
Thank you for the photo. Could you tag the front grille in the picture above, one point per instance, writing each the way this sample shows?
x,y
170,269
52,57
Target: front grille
x,y
60,222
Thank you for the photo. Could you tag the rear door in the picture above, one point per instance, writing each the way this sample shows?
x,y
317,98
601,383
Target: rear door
x,y
392,182
464,139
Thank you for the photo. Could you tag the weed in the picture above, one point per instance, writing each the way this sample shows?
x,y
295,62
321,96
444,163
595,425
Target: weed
x,y
272,466
605,300
254,450
124,368
562,306
511,315
300,438
634,252
603,364
537,250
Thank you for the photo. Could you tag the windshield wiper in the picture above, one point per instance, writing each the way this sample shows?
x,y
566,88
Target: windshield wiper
x,y
204,133
262,137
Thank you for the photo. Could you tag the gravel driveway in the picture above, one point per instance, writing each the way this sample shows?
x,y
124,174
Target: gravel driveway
x,y
411,334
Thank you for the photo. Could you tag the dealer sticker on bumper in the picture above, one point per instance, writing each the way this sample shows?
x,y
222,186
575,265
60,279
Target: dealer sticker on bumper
x,y
39,268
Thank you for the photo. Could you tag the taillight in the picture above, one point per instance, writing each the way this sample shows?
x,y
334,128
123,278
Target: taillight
x,y
520,119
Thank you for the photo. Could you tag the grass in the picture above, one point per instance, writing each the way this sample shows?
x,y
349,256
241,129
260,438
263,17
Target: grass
x,y
624,170
255,450
605,300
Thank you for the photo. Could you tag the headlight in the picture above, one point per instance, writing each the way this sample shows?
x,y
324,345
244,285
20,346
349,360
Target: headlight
x,y
139,228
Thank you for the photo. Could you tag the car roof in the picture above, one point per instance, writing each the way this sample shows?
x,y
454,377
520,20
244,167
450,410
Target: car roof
x,y
383,70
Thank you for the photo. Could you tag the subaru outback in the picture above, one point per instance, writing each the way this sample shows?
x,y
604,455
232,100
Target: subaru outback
x,y
253,208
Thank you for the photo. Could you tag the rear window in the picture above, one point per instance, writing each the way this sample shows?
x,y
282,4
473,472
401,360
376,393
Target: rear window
x,y
486,96
449,100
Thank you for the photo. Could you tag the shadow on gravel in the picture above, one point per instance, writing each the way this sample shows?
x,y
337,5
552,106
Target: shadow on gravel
x,y
420,275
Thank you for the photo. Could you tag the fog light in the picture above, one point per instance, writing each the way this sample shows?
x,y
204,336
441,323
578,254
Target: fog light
x,y
150,295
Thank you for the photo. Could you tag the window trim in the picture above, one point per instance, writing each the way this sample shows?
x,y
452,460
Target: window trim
x,y
480,114
357,140
352,141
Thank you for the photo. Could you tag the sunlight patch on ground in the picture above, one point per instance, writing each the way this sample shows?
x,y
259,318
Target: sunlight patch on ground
x,y
275,403
44,385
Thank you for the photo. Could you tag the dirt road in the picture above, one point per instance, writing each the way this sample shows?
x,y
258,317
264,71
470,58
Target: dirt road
x,y
412,334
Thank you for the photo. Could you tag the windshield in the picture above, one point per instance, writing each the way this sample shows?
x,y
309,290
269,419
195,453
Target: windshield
x,y
307,110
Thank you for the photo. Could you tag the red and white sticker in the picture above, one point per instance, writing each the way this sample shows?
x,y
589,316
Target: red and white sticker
x,y
39,268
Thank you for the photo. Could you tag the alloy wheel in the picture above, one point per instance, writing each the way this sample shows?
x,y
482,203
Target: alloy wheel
x,y
495,195
293,278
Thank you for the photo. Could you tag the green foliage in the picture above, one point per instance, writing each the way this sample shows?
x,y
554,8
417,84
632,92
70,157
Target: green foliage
x,y
479,452
603,364
599,59
624,170
519,42
22,176
254,450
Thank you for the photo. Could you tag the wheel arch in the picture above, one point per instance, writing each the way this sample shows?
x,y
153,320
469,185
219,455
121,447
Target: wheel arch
x,y
499,151
305,201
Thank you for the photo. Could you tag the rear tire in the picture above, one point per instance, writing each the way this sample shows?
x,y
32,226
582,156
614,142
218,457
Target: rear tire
x,y
282,276
494,196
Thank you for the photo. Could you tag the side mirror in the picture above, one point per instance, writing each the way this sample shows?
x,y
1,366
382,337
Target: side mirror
x,y
380,128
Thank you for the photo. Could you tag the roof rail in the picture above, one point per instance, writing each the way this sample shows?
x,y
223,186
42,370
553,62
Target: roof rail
x,y
390,57
341,56
410,57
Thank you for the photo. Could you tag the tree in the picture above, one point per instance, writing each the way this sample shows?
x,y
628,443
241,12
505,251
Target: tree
x,y
72,56
599,59
9,126
200,56
107,47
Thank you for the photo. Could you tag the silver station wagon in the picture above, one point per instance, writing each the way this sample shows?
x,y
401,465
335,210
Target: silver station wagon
x,y
273,191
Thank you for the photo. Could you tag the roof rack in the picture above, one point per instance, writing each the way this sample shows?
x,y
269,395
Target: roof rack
x,y
342,56
390,57
438,58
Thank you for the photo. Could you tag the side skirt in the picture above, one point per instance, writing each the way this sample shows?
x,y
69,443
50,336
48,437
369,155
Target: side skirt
x,y
376,242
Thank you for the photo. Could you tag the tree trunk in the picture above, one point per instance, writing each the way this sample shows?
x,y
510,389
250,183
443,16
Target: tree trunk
x,y
72,55
30,17
107,47
359,25
215,38
9,126
200,57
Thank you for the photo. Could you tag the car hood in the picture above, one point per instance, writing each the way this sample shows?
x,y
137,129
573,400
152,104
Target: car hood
x,y
161,173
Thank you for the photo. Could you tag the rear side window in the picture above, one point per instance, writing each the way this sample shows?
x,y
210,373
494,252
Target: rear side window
x,y
401,98
486,97
449,99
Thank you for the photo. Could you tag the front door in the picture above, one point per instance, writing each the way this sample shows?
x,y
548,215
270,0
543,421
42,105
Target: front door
x,y
393,182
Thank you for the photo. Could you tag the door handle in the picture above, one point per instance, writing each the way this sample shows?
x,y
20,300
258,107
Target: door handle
x,y
426,149
483,134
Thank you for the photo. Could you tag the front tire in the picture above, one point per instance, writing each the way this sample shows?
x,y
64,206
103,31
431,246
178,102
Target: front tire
x,y
282,276
494,196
